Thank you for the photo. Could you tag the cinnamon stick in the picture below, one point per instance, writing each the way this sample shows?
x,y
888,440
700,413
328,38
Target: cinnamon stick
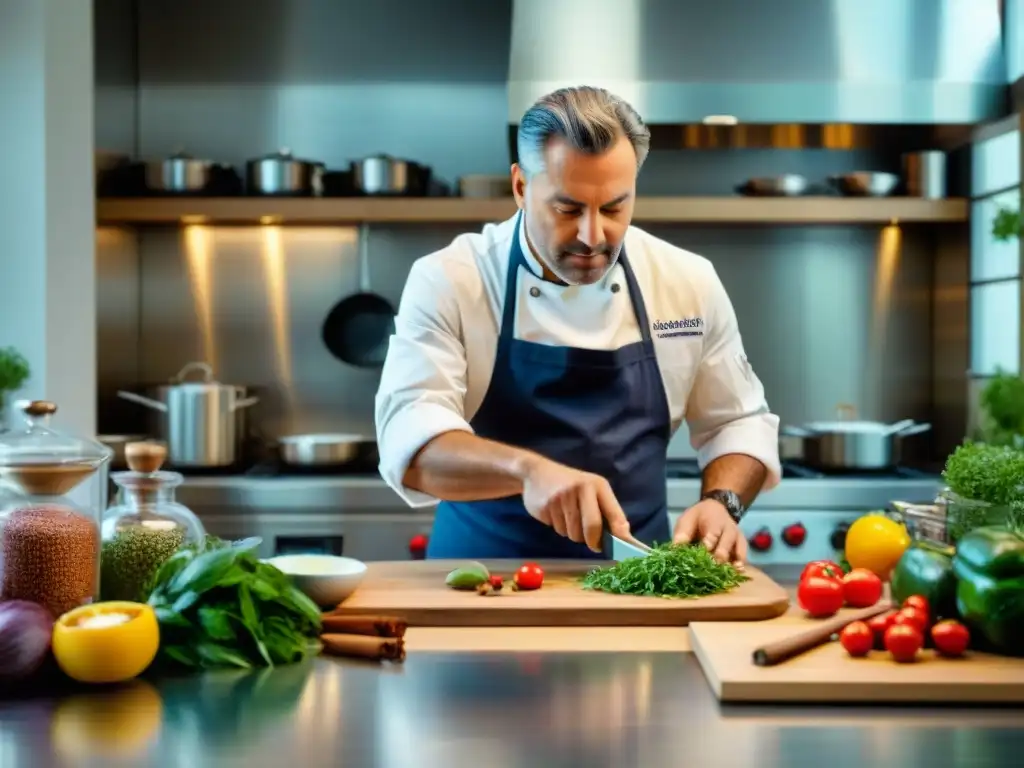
x,y
376,626
364,647
787,648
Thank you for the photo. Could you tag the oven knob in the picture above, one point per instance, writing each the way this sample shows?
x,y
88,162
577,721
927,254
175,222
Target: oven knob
x,y
418,547
794,535
838,537
761,541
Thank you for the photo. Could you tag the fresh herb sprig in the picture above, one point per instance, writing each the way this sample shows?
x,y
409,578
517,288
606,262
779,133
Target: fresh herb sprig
x,y
14,370
219,606
993,474
670,570
1006,225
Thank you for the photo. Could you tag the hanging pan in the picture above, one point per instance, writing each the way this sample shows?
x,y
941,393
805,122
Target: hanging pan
x,y
358,328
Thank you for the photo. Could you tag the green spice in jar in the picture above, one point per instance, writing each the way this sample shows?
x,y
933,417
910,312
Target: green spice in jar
x,y
130,560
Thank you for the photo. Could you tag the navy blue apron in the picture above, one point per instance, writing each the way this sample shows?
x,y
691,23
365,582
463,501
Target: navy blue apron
x,y
600,411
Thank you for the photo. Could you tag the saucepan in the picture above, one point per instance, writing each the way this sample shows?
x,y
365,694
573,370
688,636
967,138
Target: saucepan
x,y
327,450
853,445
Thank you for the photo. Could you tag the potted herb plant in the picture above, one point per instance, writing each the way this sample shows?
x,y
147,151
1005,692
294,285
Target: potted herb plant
x,y
14,372
1006,225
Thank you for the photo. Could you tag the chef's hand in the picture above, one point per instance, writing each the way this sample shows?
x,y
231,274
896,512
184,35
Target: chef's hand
x,y
710,523
576,504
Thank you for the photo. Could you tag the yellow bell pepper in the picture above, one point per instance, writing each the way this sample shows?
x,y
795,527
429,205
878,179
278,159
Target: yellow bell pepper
x,y
106,642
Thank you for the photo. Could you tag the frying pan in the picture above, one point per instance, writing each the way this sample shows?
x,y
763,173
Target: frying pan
x,y
327,450
358,328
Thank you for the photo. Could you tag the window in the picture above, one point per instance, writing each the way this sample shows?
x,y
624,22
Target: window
x,y
995,319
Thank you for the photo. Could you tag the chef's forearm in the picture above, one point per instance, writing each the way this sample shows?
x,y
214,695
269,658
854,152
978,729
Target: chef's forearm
x,y
459,466
737,472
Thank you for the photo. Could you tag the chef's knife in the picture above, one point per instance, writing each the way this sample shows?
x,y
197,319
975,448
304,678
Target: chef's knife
x,y
622,549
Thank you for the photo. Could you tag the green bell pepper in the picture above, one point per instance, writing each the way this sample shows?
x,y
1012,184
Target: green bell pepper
x,y
989,566
926,569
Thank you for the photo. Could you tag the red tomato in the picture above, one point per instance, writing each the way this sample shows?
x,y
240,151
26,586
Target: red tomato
x,y
857,638
861,588
878,625
920,602
496,581
903,641
951,638
820,596
824,568
913,617
529,576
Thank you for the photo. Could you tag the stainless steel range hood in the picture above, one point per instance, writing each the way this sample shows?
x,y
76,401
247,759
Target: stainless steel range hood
x,y
860,62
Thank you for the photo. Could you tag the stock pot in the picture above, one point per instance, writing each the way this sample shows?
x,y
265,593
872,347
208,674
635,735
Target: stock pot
x,y
854,445
201,424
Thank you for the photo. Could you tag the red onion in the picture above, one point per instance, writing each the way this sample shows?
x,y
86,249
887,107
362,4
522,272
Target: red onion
x,y
25,632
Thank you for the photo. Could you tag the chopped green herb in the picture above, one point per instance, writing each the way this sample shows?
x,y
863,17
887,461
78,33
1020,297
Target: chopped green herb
x,y
670,570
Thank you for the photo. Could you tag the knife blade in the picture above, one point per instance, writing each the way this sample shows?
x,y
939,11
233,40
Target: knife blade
x,y
621,549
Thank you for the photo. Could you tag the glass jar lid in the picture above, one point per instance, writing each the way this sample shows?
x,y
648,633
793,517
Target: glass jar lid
x,y
145,476
36,443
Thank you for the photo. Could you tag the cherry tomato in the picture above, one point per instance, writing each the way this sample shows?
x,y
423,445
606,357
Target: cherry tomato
x,y
861,588
951,638
913,617
857,638
529,576
496,581
824,568
820,596
903,641
920,602
878,625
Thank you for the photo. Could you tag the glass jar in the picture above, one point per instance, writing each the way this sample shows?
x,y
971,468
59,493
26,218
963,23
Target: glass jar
x,y
49,522
964,515
145,526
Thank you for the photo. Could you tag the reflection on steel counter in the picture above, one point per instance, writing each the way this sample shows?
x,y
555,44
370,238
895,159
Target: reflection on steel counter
x,y
551,709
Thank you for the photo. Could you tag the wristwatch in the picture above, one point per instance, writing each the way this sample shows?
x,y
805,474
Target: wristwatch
x,y
728,499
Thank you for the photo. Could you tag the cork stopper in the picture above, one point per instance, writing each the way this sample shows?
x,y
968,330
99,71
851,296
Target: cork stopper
x,y
145,457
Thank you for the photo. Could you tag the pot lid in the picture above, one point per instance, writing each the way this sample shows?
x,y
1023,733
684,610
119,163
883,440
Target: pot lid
x,y
37,443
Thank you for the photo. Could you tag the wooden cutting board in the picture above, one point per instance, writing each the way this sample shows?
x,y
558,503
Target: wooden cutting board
x,y
416,591
827,674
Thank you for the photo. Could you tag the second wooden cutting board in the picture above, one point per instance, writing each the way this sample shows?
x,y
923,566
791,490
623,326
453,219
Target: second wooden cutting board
x,y
417,592
828,674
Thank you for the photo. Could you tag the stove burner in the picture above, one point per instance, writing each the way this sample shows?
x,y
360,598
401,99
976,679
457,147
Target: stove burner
x,y
687,469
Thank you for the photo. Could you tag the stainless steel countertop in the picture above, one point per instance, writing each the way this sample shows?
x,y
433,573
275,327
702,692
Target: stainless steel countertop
x,y
369,493
494,710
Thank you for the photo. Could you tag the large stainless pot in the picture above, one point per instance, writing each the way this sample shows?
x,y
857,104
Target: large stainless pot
x,y
283,174
854,445
180,173
386,175
202,425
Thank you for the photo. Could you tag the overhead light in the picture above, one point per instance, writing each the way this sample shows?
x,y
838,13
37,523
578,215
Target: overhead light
x,y
720,120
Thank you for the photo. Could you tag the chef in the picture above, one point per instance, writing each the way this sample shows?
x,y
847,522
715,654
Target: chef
x,y
540,367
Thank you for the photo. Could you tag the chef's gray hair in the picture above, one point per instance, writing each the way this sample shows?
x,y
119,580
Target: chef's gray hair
x,y
590,119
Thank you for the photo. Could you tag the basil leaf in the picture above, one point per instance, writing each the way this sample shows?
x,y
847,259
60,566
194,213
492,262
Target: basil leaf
x,y
250,616
216,655
216,623
182,655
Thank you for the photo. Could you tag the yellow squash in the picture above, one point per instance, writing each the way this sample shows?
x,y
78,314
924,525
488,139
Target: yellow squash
x,y
106,642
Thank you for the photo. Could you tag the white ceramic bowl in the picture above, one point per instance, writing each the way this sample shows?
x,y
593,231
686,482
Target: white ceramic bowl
x,y
326,579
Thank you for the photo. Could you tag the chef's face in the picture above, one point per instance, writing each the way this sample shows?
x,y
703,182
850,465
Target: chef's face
x,y
578,208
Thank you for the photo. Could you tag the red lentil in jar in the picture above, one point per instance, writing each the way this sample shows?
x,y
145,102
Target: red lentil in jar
x,y
50,556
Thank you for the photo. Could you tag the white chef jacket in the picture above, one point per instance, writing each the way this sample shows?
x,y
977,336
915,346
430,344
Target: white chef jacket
x,y
441,356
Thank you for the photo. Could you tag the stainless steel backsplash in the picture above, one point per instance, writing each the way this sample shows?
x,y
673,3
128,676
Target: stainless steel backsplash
x,y
862,315
829,315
